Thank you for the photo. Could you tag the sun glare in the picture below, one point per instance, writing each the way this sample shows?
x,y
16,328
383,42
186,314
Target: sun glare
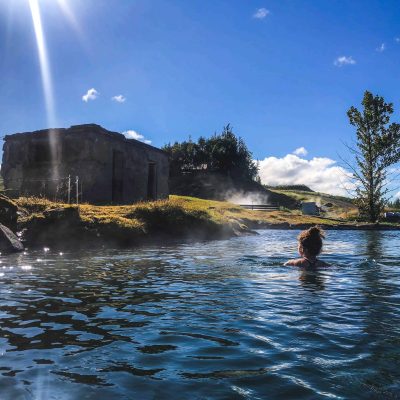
x,y
44,61
46,78
70,16
45,70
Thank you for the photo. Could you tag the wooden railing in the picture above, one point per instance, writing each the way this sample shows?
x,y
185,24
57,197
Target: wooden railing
x,y
260,207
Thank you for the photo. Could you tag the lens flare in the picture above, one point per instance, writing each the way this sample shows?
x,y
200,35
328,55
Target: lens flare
x,y
44,61
70,16
46,81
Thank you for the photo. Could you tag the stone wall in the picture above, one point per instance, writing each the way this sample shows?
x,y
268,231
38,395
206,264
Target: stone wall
x,y
111,168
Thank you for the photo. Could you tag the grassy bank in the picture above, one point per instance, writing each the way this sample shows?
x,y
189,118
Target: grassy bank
x,y
45,222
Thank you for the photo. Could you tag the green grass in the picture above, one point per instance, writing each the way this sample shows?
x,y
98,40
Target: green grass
x,y
176,213
177,217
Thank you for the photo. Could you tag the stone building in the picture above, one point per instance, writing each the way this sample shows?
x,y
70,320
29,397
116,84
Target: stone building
x,y
111,169
309,208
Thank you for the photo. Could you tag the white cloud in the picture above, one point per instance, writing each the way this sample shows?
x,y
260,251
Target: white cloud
x,y
119,99
320,173
397,195
91,94
381,48
131,134
261,13
301,151
344,60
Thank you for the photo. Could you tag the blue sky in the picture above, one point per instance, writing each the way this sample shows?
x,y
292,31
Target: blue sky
x,y
189,67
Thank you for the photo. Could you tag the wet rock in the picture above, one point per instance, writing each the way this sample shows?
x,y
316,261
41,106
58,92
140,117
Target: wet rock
x,y
8,211
280,225
54,227
239,229
9,242
68,214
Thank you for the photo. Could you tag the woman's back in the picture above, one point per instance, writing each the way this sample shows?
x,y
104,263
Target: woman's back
x,y
306,263
309,247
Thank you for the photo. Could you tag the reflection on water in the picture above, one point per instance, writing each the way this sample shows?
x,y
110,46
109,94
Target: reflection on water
x,y
312,279
373,240
216,320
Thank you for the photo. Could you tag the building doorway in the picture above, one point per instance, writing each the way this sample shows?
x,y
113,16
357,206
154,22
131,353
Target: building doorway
x,y
152,182
118,177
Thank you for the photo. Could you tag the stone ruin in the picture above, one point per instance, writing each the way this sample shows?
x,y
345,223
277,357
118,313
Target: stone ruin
x,y
86,162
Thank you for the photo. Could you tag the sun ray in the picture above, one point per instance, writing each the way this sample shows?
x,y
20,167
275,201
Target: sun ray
x,y
69,15
43,60
47,82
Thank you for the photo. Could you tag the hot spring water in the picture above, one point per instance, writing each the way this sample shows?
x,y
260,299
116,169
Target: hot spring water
x,y
221,319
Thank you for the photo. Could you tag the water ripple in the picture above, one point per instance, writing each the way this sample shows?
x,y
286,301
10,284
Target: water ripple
x,y
219,320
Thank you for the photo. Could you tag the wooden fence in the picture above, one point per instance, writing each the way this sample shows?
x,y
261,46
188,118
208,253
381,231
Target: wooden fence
x,y
260,207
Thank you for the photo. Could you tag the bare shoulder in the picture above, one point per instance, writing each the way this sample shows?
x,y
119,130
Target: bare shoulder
x,y
298,262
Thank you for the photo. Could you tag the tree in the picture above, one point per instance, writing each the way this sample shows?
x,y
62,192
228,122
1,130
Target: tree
x,y
377,148
225,153
395,204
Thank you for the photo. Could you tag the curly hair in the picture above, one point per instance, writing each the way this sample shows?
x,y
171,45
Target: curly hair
x,y
311,240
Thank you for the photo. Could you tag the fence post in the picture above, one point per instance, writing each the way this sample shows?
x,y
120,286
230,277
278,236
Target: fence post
x,y
69,189
77,190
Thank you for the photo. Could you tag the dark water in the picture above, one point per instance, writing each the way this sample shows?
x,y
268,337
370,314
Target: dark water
x,y
218,320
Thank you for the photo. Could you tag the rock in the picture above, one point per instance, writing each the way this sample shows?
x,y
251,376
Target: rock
x,y
328,205
239,229
9,242
55,227
68,214
8,211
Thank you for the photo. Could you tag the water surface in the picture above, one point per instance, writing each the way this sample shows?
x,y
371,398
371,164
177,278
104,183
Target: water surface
x,y
218,320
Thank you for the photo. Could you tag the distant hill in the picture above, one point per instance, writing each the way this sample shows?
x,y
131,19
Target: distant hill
x,y
215,186
302,188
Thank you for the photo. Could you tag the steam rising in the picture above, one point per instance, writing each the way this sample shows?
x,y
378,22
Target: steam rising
x,y
241,197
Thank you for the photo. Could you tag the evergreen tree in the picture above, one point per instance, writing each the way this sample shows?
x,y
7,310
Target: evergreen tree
x,y
377,148
224,153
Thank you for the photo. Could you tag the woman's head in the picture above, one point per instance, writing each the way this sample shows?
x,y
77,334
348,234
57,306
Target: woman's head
x,y
310,241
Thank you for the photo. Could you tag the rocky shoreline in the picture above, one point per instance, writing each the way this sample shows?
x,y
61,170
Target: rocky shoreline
x,y
333,227
39,223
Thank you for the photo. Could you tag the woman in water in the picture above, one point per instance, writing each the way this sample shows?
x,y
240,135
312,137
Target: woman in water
x,y
310,246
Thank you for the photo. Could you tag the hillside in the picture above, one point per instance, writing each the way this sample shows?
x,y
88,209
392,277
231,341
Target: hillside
x,y
214,186
302,188
337,207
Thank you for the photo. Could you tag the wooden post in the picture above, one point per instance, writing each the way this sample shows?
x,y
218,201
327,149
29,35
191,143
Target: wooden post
x,y
69,189
77,190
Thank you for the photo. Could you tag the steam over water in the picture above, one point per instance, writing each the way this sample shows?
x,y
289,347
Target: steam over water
x,y
220,320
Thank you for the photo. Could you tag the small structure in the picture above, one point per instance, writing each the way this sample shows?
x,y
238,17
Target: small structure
x,y
393,216
84,161
309,208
